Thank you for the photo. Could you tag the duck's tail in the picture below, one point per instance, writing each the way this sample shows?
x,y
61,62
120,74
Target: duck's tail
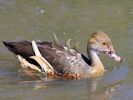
x,y
10,46
45,66
22,48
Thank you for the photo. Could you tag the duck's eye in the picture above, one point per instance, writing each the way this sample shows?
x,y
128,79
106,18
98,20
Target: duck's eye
x,y
104,43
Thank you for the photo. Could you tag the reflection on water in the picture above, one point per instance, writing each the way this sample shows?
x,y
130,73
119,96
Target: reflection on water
x,y
37,20
103,87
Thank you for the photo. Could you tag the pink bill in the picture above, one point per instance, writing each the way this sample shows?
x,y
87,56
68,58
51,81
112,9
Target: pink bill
x,y
114,56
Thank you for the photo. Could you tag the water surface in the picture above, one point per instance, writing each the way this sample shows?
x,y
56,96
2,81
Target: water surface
x,y
39,19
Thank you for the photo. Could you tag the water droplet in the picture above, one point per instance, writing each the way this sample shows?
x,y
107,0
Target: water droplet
x,y
42,11
64,33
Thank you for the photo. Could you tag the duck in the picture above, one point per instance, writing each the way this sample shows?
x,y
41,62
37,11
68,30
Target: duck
x,y
63,61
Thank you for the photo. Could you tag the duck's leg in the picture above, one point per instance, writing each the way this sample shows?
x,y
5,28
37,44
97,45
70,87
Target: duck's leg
x,y
45,66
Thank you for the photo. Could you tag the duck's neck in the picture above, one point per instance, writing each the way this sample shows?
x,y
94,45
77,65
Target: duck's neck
x,y
96,63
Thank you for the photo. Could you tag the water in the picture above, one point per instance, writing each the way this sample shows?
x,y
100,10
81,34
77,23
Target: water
x,y
39,19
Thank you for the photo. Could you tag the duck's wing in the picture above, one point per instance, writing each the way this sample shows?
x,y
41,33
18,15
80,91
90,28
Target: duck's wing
x,y
63,59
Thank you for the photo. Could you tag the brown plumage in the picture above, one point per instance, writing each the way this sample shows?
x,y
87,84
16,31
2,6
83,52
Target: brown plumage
x,y
69,62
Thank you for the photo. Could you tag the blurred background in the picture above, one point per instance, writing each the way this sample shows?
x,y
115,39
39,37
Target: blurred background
x,y
76,19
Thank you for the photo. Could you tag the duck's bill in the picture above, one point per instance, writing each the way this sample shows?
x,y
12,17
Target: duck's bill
x,y
114,56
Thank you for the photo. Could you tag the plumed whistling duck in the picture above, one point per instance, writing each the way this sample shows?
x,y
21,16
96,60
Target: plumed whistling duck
x,y
67,62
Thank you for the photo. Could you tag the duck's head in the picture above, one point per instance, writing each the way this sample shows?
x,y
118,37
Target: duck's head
x,y
100,42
